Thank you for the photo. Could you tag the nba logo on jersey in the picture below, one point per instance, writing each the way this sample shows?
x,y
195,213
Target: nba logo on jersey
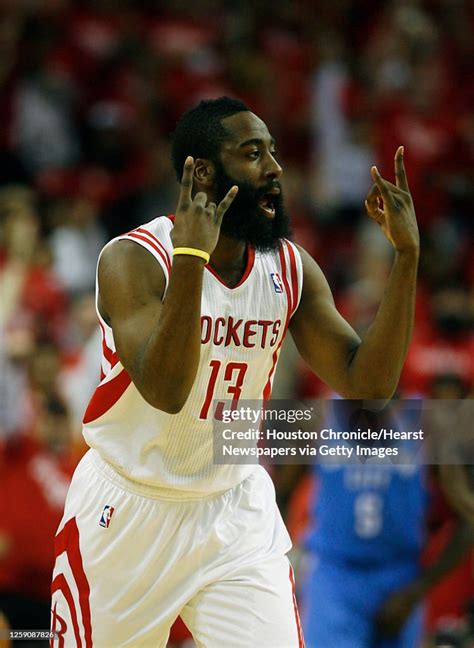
x,y
276,282
106,516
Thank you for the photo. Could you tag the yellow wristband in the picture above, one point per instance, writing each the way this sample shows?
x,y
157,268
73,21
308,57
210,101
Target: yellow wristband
x,y
192,252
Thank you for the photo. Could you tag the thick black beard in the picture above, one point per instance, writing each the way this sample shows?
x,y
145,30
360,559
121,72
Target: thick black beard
x,y
244,219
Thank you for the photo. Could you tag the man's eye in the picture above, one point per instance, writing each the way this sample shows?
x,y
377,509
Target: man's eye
x,y
254,155
274,154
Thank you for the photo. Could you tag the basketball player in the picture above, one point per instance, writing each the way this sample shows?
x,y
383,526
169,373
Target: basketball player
x,y
194,308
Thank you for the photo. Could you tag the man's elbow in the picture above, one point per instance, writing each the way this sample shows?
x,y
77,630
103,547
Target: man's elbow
x,y
378,394
167,403
169,406
173,407
378,383
369,392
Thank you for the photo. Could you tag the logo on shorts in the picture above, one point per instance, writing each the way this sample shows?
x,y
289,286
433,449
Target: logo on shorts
x,y
276,282
58,626
106,516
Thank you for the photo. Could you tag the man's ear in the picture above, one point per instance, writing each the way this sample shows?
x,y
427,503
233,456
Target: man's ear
x,y
204,173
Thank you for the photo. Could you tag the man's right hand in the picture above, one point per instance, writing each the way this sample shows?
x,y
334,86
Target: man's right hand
x,y
197,222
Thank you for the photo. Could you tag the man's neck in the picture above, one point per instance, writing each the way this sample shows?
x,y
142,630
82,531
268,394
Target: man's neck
x,y
229,259
229,254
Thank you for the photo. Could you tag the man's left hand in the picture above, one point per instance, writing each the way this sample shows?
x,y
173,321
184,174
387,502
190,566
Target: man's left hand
x,y
395,611
391,206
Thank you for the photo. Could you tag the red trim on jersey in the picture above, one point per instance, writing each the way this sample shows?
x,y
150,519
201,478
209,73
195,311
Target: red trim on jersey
x,y
157,241
283,261
294,276
171,217
268,387
153,245
109,355
248,269
68,540
60,583
106,395
297,616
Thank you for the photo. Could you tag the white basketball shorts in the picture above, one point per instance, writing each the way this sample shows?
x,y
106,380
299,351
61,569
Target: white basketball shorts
x,y
128,563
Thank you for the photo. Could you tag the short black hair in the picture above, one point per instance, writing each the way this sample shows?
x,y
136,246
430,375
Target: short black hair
x,y
200,133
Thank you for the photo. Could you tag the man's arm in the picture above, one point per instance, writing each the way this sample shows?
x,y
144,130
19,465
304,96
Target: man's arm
x,y
159,343
369,368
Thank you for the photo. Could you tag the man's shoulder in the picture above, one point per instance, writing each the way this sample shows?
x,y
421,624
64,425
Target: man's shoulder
x,y
154,236
159,226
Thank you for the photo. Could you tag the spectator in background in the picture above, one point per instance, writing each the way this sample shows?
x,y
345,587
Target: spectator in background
x,y
410,86
42,129
35,470
12,394
43,376
444,344
156,195
32,298
32,302
79,374
76,240
344,151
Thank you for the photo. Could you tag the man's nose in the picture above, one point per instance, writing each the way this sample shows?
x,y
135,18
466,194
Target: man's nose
x,y
273,170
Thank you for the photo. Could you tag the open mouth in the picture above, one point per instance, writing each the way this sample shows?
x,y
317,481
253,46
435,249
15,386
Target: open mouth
x,y
266,205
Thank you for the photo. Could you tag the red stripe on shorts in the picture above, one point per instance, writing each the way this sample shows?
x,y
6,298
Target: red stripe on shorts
x,y
60,583
297,616
68,540
59,632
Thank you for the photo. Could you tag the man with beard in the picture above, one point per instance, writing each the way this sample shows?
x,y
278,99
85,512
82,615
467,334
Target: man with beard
x,y
153,528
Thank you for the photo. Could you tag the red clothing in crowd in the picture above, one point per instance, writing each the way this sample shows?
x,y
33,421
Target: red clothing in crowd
x,y
42,306
34,486
431,355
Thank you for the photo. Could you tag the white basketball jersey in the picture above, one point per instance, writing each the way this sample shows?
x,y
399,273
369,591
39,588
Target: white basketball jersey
x,y
242,330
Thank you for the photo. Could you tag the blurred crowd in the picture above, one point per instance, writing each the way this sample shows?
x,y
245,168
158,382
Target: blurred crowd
x,y
90,92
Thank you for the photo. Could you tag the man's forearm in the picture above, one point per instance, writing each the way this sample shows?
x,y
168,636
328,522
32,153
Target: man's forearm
x,y
170,360
377,363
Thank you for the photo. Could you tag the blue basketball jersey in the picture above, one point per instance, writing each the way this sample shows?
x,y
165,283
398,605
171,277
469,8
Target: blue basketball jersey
x,y
368,512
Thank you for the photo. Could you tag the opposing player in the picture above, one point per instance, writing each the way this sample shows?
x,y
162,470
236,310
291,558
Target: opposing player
x,y
152,528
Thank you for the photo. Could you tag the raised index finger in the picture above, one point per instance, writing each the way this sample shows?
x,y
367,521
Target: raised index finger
x,y
185,196
383,187
400,173
226,203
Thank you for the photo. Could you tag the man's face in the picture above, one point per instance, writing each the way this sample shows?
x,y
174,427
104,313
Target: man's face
x,y
257,214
